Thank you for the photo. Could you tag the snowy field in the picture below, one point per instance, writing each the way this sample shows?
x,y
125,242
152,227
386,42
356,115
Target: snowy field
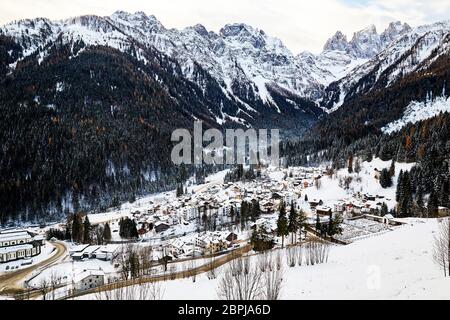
x,y
353,230
418,111
331,192
393,265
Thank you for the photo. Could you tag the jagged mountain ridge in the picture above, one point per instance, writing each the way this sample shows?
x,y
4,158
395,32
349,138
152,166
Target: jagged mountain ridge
x,y
412,52
247,63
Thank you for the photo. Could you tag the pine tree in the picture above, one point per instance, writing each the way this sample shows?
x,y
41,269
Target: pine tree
x,y
293,223
261,240
232,215
357,166
392,168
399,192
350,164
433,205
107,233
385,179
77,228
87,231
255,210
244,214
282,224
384,209
335,225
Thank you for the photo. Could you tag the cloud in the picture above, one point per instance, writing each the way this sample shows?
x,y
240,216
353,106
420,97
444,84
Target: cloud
x,y
302,25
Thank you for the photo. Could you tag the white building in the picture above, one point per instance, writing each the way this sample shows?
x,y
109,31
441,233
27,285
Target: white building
x,y
15,245
89,279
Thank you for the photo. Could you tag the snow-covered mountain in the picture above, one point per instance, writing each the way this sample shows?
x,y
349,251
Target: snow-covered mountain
x,y
366,43
250,66
247,63
412,51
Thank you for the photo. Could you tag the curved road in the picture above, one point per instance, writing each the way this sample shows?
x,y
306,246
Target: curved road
x,y
12,283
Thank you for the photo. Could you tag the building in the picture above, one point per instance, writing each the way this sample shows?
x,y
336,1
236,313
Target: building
x,y
314,203
161,227
89,279
323,210
16,245
232,237
377,174
211,243
443,211
107,252
339,207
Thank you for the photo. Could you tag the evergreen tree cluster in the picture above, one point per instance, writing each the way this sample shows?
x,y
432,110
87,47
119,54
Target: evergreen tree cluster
x,y
241,174
250,211
128,229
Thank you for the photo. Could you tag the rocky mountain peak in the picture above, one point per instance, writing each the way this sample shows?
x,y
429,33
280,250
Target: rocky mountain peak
x,y
393,31
244,34
338,42
200,29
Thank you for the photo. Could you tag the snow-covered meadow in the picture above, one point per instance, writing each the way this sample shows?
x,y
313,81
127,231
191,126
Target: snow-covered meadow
x,y
393,265
418,111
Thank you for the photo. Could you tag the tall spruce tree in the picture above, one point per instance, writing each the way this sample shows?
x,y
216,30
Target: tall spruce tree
x,y
107,233
87,231
77,228
293,223
385,179
282,224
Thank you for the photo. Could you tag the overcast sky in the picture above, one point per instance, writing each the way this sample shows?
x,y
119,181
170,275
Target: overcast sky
x,y
301,25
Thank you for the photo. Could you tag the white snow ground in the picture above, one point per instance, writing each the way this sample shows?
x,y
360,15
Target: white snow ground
x,y
418,111
330,192
394,265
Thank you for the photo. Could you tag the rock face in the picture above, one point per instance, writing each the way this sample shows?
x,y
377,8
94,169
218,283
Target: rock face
x,y
338,42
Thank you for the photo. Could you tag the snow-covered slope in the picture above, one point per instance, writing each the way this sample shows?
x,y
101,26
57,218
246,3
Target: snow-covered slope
x,y
418,111
392,265
412,51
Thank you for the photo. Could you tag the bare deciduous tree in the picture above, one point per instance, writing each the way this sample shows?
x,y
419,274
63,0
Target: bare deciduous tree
x,y
265,261
244,279
192,267
55,281
300,255
317,252
241,281
212,270
291,256
441,253
273,283
43,287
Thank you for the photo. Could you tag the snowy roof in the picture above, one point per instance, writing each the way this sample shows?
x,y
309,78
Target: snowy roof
x,y
109,248
87,273
323,208
11,236
78,248
15,248
91,249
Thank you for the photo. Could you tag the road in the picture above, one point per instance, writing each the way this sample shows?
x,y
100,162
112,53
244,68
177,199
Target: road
x,y
12,283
